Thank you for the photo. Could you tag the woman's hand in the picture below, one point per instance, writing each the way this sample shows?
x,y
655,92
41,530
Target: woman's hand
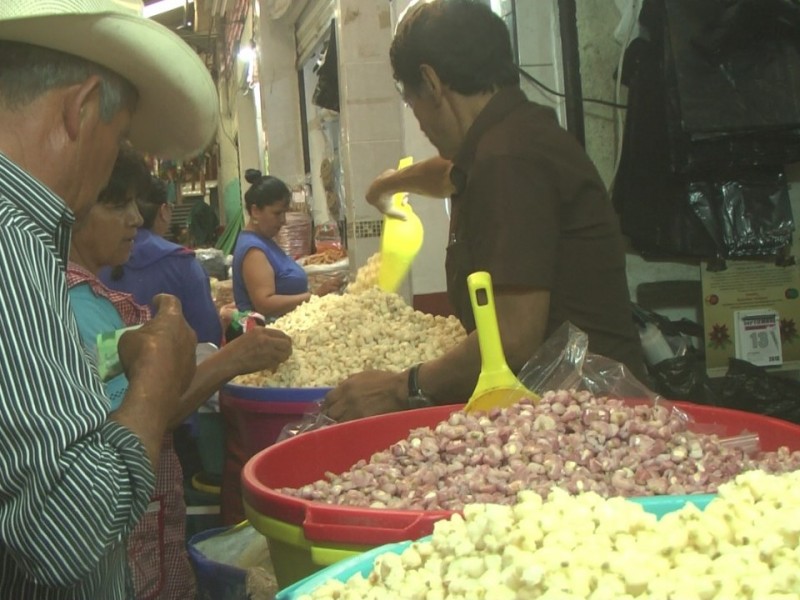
x,y
260,348
226,313
330,285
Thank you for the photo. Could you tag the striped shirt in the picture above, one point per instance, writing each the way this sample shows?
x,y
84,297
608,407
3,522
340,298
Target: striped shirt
x,y
72,483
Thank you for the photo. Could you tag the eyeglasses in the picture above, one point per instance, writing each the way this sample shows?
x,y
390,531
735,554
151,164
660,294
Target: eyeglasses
x,y
403,94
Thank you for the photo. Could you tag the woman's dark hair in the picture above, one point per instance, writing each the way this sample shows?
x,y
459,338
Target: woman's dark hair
x,y
265,190
130,175
151,201
467,45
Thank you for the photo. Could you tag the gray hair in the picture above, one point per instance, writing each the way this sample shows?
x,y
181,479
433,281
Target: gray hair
x,y
28,71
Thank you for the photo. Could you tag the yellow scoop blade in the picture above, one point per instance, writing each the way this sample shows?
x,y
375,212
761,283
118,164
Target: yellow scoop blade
x,y
400,241
497,385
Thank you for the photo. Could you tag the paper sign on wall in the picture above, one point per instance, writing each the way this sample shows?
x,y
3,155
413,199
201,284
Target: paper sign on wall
x,y
746,300
758,337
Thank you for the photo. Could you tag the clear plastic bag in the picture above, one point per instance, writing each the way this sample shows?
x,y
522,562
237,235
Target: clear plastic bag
x,y
564,362
232,563
213,261
312,419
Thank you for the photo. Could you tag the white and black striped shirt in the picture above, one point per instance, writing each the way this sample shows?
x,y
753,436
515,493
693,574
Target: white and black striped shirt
x,y
72,483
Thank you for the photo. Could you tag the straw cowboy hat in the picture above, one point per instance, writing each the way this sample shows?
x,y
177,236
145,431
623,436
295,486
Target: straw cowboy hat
x,y
178,107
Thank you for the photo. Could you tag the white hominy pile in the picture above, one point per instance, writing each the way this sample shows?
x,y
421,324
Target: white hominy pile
x,y
743,546
336,336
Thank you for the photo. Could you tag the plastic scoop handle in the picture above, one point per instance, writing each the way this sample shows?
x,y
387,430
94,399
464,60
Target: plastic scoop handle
x,y
497,385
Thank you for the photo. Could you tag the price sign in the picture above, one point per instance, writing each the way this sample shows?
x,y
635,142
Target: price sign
x,y
758,337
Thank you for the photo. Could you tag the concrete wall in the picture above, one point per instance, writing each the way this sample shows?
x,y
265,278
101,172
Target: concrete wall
x,y
427,274
371,127
228,183
280,98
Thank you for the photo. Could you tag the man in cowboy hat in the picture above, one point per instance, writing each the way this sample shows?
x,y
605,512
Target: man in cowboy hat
x,y
78,77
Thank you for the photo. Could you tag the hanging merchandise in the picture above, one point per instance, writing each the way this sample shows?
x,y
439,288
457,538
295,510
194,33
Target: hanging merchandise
x,y
330,169
326,94
311,27
705,192
747,214
733,96
328,178
294,238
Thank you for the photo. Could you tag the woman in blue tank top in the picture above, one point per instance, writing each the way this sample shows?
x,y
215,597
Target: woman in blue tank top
x,y
265,278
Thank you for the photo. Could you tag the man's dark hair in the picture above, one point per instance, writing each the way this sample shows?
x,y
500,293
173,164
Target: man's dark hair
x,y
467,45
151,201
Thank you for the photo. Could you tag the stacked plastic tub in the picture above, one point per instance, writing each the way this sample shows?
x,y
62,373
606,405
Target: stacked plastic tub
x,y
306,536
253,418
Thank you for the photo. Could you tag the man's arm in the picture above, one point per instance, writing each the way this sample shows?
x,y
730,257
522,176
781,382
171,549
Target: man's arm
x,y
72,483
429,177
159,361
522,319
259,348
196,301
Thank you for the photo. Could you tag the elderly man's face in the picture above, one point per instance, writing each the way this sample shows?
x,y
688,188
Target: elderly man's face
x,y
96,158
433,109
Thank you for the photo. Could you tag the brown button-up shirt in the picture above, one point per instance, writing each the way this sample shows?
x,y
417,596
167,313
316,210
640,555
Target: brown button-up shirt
x,y
531,209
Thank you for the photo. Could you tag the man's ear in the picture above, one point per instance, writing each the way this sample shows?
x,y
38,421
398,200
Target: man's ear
x,y
431,84
80,102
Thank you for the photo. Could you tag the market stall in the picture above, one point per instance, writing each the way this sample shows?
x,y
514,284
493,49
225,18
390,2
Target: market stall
x,y
372,486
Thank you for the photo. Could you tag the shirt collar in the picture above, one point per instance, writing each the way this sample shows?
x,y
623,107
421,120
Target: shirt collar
x,y
36,200
503,102
129,310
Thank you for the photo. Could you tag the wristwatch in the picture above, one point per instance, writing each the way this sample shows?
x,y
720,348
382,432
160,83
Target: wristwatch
x,y
416,397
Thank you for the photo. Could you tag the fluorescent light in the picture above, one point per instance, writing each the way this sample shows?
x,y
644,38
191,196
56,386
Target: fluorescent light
x,y
157,8
247,53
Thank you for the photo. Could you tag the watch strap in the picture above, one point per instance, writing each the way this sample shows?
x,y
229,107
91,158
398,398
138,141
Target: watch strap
x,y
416,397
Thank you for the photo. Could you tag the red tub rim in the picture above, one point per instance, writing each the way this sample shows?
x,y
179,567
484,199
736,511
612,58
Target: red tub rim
x,y
347,524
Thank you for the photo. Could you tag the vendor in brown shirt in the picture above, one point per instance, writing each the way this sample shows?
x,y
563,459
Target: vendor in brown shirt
x,y
528,207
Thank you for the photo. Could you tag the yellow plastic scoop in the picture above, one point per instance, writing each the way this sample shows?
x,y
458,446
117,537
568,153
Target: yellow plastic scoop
x,y
497,385
400,241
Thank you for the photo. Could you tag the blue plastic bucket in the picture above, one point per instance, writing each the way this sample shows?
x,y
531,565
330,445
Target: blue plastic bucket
x,y
216,580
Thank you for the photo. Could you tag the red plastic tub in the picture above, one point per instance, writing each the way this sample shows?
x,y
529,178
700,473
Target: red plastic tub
x,y
306,458
253,419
